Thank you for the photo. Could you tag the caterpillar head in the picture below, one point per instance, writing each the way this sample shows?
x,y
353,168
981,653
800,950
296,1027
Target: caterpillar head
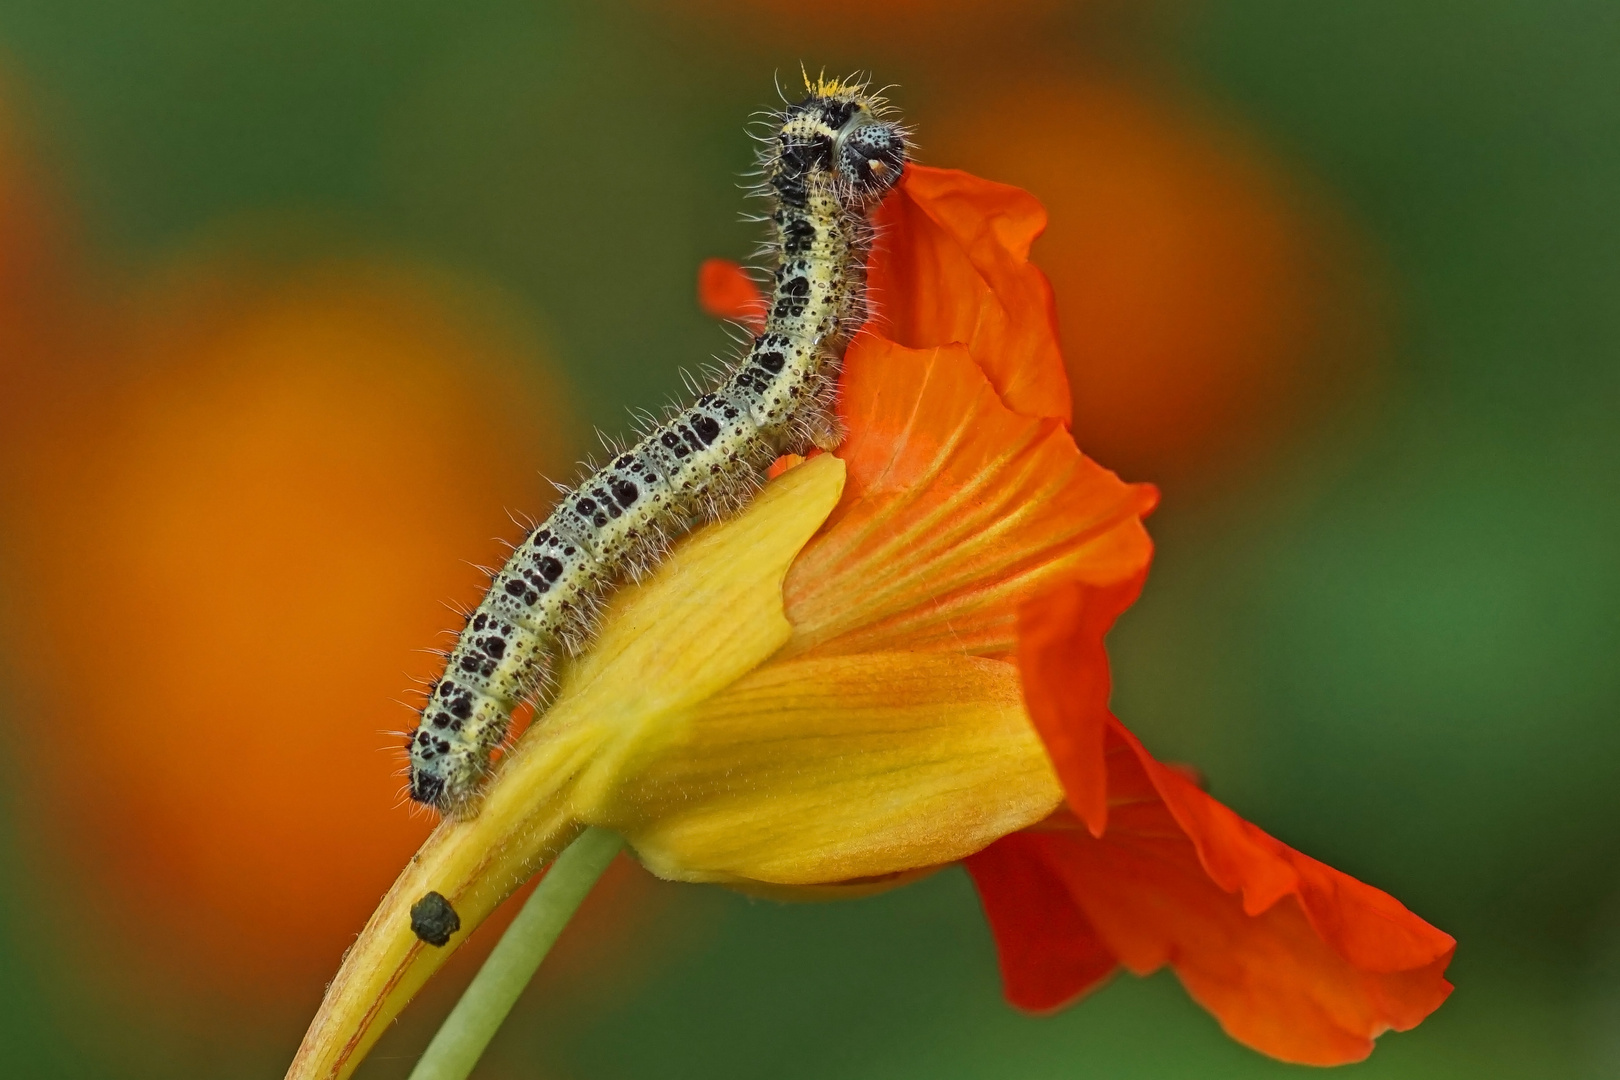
x,y
870,155
843,133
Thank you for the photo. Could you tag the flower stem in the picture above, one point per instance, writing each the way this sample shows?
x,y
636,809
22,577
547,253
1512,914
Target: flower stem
x,y
512,963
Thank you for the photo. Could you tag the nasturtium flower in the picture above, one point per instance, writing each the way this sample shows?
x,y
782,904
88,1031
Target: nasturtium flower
x,y
893,661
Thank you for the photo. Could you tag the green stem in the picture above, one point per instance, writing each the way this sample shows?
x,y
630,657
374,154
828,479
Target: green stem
x,y
512,963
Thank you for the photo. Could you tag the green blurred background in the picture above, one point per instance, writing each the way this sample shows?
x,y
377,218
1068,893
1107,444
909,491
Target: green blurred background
x,y
1344,278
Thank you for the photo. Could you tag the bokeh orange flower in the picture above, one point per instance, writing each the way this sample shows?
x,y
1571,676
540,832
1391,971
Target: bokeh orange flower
x,y
223,570
1211,307
894,661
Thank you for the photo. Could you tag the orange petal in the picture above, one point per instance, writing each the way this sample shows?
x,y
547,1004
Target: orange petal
x,y
952,265
1049,953
788,461
1294,958
1362,923
958,510
727,292
1066,683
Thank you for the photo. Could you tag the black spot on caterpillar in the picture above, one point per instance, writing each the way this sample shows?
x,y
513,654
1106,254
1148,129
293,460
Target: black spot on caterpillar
x,y
826,163
434,920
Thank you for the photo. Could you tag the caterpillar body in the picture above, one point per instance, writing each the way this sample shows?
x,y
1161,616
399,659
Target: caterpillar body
x,y
827,162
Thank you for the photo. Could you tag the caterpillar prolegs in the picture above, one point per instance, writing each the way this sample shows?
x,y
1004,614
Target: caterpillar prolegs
x,y
827,162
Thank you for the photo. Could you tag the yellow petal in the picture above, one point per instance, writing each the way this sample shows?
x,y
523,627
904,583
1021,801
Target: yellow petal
x,y
712,612
710,615
828,769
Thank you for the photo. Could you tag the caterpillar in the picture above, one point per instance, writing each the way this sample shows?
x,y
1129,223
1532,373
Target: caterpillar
x,y
825,164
